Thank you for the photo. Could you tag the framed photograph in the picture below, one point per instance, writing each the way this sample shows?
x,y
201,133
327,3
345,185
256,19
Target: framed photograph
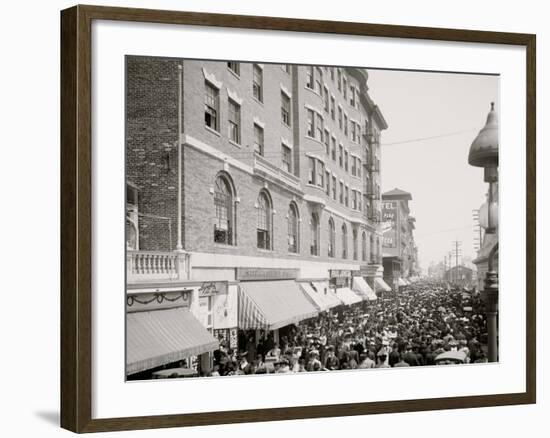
x,y
269,218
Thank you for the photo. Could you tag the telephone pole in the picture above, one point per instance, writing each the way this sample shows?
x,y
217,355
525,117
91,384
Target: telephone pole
x,y
456,250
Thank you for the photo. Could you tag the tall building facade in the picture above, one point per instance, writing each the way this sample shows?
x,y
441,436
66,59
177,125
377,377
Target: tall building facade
x,y
243,176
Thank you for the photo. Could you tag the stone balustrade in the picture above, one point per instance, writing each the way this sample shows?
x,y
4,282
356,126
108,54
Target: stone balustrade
x,y
144,266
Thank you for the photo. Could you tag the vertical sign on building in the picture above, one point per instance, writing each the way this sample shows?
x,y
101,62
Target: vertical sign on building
x,y
389,224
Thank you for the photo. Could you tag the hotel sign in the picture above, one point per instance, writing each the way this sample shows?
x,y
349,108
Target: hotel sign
x,y
251,274
389,227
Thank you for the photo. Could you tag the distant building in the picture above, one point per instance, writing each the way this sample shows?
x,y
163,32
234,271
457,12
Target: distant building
x,y
461,276
400,254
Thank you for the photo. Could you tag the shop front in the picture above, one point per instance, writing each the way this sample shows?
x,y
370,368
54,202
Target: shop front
x,y
269,300
164,333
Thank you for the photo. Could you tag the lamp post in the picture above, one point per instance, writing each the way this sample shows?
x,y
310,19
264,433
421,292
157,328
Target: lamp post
x,y
484,153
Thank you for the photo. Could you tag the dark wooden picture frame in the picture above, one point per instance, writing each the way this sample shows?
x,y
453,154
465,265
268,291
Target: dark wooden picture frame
x,y
76,218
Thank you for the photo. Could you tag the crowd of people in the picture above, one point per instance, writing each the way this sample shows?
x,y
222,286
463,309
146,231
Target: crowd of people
x,y
406,328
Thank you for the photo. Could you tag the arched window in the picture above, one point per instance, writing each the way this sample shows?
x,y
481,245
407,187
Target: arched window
x,y
331,238
314,228
355,243
263,227
224,206
293,238
344,241
364,247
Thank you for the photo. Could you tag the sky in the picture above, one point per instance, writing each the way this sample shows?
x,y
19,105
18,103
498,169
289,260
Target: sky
x,y
445,189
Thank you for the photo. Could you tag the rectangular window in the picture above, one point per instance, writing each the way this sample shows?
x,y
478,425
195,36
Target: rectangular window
x,y
286,158
285,109
310,123
235,67
258,139
320,174
345,87
318,81
333,151
345,125
234,122
341,155
327,181
341,192
211,107
352,95
332,73
257,83
346,201
339,80
353,166
354,199
346,159
327,142
334,188
359,201
311,170
359,164
332,108
309,77
327,99
340,118
319,128
353,132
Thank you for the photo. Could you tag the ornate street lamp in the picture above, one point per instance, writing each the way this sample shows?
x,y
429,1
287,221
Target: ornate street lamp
x,y
484,153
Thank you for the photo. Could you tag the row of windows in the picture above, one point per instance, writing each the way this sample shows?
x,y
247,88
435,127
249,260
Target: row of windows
x,y
225,220
314,80
315,130
320,177
212,121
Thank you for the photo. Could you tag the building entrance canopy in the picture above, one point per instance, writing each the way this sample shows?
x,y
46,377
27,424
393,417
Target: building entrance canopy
x,y
347,296
381,285
271,305
321,295
158,337
361,287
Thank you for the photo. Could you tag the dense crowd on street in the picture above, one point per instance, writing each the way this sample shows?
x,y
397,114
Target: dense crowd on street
x,y
406,328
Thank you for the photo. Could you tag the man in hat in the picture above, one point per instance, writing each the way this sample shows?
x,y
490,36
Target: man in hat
x,y
331,361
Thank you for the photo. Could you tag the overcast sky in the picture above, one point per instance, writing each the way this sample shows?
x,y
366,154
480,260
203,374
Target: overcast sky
x,y
444,188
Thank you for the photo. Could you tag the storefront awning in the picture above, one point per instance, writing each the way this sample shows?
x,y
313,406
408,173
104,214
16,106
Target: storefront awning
x,y
401,282
272,304
158,337
321,295
381,284
347,296
362,288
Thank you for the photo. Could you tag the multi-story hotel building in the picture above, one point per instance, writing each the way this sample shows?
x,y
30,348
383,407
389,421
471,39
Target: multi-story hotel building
x,y
250,189
400,251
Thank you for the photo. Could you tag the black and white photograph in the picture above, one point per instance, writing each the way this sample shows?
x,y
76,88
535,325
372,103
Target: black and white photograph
x,y
287,218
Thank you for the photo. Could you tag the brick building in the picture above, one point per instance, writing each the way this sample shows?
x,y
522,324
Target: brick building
x,y
245,176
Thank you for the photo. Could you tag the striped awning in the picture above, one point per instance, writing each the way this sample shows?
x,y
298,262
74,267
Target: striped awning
x,y
158,337
272,304
381,284
361,287
321,295
347,296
